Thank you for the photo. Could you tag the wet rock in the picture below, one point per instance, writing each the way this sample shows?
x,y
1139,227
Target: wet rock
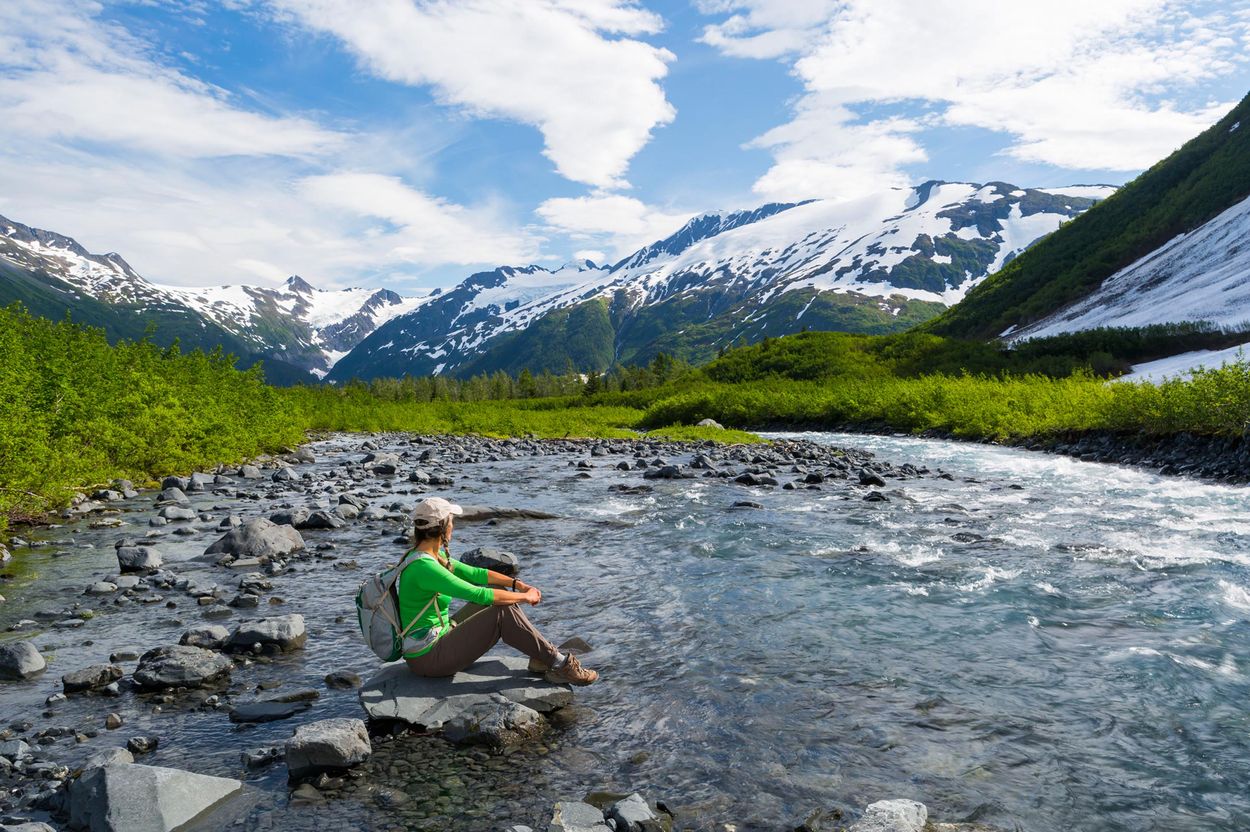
x,y
14,750
634,814
113,721
474,513
20,660
127,797
289,516
108,757
27,826
249,472
172,513
258,538
101,588
142,745
284,475
750,478
577,817
91,678
208,636
264,710
254,582
321,520
495,721
141,559
261,757
343,680
124,654
868,477
181,483
430,703
181,666
746,504
382,464
490,558
172,496
286,632
668,472
892,816
876,497
327,745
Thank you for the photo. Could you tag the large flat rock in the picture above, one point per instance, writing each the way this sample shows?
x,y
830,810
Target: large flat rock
x,y
396,693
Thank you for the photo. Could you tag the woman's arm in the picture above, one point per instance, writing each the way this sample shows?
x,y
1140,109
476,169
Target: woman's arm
x,y
504,597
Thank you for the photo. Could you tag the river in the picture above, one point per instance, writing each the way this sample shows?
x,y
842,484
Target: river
x,y
1034,642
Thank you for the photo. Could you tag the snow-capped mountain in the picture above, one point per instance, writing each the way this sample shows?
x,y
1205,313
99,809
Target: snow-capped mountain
x,y
877,264
1203,275
295,324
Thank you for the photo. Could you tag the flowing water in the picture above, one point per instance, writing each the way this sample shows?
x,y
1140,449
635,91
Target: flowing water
x,y
1037,643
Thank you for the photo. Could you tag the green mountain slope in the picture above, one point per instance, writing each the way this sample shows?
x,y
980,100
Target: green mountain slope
x,y
46,296
1207,175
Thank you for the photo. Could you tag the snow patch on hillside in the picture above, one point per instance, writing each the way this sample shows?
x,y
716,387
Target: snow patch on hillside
x,y
1183,365
1203,275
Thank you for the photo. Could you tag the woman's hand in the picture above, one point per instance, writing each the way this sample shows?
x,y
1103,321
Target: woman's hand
x,y
532,595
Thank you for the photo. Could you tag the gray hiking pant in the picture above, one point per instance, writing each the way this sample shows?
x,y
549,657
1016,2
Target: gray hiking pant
x,y
478,631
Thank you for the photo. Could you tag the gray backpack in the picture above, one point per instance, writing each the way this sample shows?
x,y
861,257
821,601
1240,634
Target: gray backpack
x,y
377,611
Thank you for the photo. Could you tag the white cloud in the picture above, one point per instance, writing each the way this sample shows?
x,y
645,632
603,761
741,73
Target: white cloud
x,y
1074,84
621,223
546,63
68,77
422,227
103,141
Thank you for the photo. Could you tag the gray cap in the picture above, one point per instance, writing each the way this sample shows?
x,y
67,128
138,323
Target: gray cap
x,y
433,511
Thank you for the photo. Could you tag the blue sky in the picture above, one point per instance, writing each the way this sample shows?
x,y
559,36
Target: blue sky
x,y
409,142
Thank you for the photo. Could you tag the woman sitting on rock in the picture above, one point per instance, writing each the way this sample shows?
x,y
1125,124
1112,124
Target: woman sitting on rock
x,y
436,646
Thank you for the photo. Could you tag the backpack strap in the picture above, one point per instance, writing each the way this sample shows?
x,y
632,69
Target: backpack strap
x,y
408,560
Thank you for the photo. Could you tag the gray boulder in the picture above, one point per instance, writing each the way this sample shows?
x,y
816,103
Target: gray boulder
x,y
27,826
178,513
91,678
181,483
892,816
321,520
141,559
209,637
383,464
289,516
181,666
327,745
108,757
480,696
172,496
258,538
491,558
577,817
476,513
249,472
634,814
286,632
14,750
127,797
495,721
20,660
867,477
709,423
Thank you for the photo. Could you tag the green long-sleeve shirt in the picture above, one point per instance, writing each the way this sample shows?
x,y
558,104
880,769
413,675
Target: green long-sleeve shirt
x,y
426,578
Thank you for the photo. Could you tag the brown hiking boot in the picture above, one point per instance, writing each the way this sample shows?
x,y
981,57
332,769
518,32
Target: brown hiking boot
x,y
537,666
571,673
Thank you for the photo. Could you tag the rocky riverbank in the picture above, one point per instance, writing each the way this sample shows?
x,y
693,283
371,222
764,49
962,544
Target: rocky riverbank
x,y
201,629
